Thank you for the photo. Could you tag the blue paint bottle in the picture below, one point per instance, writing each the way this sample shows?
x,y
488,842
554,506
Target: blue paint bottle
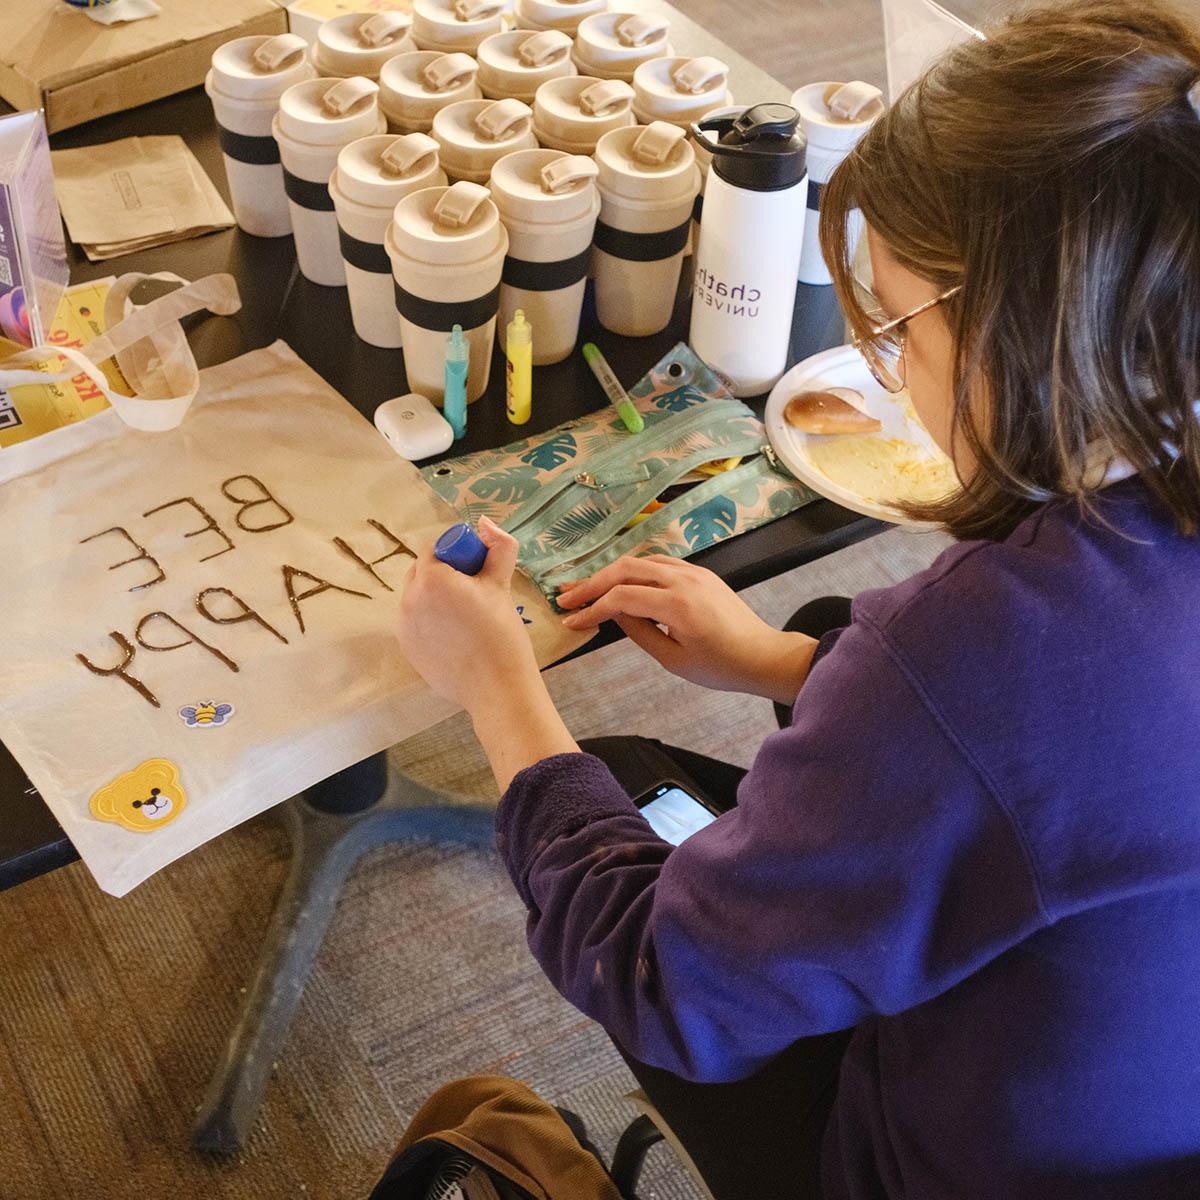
x,y
460,547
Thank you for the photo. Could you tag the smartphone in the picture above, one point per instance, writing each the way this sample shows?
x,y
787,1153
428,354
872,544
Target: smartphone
x,y
674,812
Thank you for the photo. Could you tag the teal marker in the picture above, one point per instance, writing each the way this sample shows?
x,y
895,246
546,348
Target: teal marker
x,y
454,394
618,397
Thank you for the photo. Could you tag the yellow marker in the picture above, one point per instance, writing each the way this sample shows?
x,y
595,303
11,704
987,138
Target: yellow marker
x,y
519,378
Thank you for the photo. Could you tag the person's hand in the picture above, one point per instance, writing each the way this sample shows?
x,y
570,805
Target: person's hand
x,y
462,633
464,637
692,623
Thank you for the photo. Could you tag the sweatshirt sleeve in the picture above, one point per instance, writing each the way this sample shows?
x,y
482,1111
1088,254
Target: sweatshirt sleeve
x,y
867,868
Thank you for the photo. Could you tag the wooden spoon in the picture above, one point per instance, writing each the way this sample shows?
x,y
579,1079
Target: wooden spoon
x,y
829,411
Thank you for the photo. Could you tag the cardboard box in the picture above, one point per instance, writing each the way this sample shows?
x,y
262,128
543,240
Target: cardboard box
x,y
53,56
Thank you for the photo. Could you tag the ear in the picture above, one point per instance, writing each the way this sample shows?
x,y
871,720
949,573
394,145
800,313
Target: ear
x,y
159,773
103,804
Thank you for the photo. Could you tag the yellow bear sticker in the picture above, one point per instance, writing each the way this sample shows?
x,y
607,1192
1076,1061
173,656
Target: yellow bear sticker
x,y
142,800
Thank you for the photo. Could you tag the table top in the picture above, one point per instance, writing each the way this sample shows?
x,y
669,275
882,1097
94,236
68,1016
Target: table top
x,y
278,302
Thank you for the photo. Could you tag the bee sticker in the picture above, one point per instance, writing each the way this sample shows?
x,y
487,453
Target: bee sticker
x,y
142,800
206,714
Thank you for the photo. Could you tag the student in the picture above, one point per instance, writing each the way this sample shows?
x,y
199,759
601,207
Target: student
x,y
977,844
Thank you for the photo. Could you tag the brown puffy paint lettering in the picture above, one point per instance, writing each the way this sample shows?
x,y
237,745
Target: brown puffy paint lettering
x,y
190,639
246,503
369,564
210,524
119,670
142,555
244,613
291,574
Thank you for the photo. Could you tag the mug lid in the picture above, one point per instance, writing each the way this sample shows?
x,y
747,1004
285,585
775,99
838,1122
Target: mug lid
x,y
380,170
654,161
474,133
680,88
455,24
836,115
360,43
760,149
329,111
254,68
455,224
516,63
416,85
555,14
544,186
620,36
578,108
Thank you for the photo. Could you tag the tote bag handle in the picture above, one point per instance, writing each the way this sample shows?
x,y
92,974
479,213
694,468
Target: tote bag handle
x,y
149,345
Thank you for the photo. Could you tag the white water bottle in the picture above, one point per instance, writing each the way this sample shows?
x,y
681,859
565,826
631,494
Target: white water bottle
x,y
750,243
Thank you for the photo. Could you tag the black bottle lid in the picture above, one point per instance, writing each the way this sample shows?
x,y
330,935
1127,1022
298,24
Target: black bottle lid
x,y
761,149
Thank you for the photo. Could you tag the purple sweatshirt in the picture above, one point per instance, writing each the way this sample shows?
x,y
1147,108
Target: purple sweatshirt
x,y
978,842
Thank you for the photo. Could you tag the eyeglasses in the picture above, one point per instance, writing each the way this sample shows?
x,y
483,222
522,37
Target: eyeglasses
x,y
883,351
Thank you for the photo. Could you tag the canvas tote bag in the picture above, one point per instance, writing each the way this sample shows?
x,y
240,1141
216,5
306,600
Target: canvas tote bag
x,y
200,591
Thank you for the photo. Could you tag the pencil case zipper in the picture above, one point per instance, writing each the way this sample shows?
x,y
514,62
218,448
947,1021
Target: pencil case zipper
x,y
580,566
609,468
615,522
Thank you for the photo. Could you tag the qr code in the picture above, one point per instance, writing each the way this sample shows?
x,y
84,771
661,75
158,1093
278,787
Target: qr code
x,y
5,272
9,417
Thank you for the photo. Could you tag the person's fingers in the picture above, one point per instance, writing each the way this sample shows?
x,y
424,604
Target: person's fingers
x,y
626,600
501,559
416,576
649,637
625,570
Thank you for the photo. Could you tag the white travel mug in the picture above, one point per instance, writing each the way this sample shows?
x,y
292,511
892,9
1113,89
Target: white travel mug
x,y
574,113
450,25
474,135
447,247
555,14
648,182
514,65
247,78
748,253
679,90
549,205
360,43
414,88
315,120
373,175
612,45
835,116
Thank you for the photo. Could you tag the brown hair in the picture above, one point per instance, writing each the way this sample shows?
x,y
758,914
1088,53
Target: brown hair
x,y
1054,171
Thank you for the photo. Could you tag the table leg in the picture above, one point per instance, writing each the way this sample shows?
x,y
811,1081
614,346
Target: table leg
x,y
330,828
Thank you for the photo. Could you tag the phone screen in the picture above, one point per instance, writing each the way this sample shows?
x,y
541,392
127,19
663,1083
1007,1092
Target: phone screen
x,y
674,815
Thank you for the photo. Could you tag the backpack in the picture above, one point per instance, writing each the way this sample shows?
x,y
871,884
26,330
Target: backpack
x,y
488,1137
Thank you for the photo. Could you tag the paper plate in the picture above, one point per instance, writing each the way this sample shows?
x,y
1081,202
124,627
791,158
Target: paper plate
x,y
843,367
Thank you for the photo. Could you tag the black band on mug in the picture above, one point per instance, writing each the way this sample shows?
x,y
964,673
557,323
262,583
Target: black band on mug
x,y
366,256
257,151
306,193
814,195
697,206
642,247
545,276
442,317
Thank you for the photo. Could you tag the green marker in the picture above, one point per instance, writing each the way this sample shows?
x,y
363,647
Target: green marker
x,y
618,397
